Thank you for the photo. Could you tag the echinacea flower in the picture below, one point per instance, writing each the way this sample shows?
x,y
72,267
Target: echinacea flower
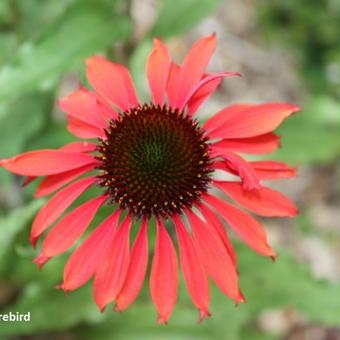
x,y
154,161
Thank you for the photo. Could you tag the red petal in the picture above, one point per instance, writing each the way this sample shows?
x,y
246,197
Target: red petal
x,y
248,229
157,70
194,273
71,227
202,94
253,121
28,180
204,82
272,170
193,66
106,111
254,145
137,270
45,162
51,211
215,257
79,147
82,106
172,85
218,119
54,182
164,274
84,261
81,129
241,167
112,82
213,220
264,201
111,273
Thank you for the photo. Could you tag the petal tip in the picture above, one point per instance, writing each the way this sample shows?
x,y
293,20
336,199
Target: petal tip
x,y
203,314
40,260
162,320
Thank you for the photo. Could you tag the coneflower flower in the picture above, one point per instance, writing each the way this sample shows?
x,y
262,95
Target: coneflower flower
x,y
154,161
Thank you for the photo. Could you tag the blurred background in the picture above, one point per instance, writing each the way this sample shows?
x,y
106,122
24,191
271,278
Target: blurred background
x,y
286,50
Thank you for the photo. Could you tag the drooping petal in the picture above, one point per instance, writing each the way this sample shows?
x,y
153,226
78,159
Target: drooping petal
x,y
157,70
45,162
218,119
254,145
216,259
112,82
204,82
213,220
112,271
54,208
244,225
80,105
254,121
194,65
70,228
194,273
137,270
240,167
272,170
81,129
172,84
164,274
264,201
52,183
202,95
84,261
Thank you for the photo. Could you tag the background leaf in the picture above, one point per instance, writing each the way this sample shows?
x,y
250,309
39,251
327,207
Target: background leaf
x,y
82,31
176,17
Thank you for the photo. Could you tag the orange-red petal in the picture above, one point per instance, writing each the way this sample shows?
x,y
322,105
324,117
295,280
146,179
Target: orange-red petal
x,y
45,162
272,170
157,70
82,106
240,167
71,227
253,145
263,201
111,273
194,272
194,66
112,81
215,257
137,270
53,209
84,261
164,274
244,225
213,220
202,94
254,120
54,182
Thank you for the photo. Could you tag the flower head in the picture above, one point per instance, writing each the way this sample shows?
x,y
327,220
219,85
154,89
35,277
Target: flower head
x,y
154,161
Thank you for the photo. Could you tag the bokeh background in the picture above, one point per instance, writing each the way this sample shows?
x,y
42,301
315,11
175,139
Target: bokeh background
x,y
286,50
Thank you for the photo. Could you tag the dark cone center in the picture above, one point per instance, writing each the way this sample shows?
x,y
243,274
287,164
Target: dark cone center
x,y
154,161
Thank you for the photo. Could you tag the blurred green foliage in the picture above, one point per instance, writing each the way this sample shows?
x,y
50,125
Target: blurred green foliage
x,y
42,40
310,31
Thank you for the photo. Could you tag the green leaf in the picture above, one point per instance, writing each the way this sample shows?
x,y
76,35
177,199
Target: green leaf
x,y
311,136
267,285
12,224
20,121
81,32
177,17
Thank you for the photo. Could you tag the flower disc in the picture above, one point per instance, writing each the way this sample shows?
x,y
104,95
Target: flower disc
x,y
154,161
